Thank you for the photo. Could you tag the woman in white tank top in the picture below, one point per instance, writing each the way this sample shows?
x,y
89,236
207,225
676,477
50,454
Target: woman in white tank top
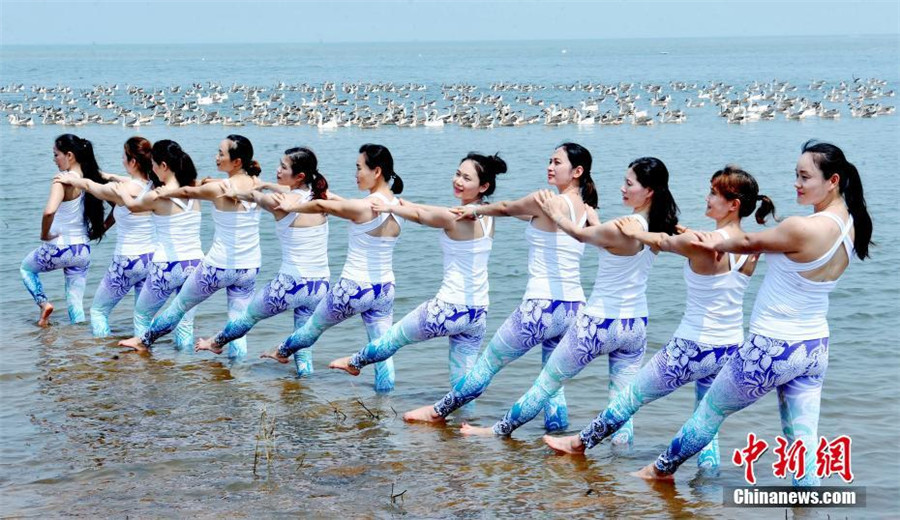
x,y
302,279
177,249
459,309
712,326
233,260
366,285
553,294
72,218
135,238
787,345
614,320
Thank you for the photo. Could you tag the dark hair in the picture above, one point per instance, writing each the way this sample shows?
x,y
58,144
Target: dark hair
x,y
304,161
487,167
831,160
378,156
580,156
83,151
733,183
138,149
181,164
653,174
242,149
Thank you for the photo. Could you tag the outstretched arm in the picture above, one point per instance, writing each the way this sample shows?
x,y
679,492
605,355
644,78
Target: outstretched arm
x,y
108,192
147,202
786,237
208,191
432,216
526,206
352,209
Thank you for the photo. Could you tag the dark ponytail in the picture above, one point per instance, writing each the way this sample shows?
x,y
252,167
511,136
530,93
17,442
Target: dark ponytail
x,y
181,164
580,156
733,183
831,160
83,151
304,161
138,149
653,174
242,149
487,167
379,156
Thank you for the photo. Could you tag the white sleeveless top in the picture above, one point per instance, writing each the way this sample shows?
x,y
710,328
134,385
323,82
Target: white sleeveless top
x,y
370,258
134,233
236,241
621,284
304,250
178,235
68,223
554,262
714,311
790,307
466,268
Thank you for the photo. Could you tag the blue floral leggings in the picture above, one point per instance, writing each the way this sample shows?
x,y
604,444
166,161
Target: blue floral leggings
x,y
74,260
373,301
284,292
200,285
465,325
624,340
123,273
678,363
533,322
796,370
165,278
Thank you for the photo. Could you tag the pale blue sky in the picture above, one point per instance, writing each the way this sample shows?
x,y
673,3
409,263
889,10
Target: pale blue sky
x,y
206,21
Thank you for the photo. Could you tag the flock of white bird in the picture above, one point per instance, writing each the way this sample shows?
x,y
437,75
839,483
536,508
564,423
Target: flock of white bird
x,y
372,105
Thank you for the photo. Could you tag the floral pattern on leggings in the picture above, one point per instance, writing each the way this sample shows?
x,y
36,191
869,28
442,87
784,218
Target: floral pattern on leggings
x,y
284,292
465,325
795,369
624,340
678,363
73,259
373,301
165,278
123,274
200,285
534,321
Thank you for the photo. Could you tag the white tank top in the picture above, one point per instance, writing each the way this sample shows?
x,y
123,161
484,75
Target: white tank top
x,y
304,250
134,233
68,223
370,258
790,307
236,241
714,311
621,284
178,235
554,262
466,268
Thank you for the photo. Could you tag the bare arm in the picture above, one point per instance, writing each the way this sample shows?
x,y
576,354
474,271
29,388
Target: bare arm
x,y
147,202
527,205
112,177
57,193
208,191
432,216
783,238
108,192
353,209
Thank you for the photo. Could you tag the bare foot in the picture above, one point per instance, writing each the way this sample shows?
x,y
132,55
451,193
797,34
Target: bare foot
x,y
134,343
46,310
344,364
274,355
649,472
468,429
423,414
571,444
208,344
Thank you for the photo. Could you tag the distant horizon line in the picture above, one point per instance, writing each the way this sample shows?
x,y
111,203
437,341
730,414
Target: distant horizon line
x,y
387,42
